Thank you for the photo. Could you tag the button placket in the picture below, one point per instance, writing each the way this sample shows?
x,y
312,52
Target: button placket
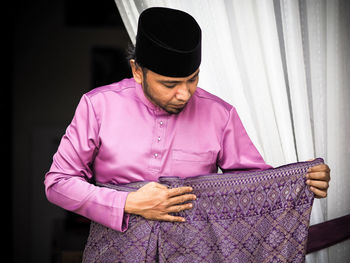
x,y
161,123
158,144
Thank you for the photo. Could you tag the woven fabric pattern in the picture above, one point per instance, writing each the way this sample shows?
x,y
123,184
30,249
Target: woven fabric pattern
x,y
251,216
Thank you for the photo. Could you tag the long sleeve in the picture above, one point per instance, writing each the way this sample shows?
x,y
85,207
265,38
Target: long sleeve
x,y
67,183
238,152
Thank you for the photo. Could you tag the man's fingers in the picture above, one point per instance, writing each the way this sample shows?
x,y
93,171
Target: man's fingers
x,y
171,218
318,176
179,208
319,193
179,191
319,168
318,184
181,199
157,185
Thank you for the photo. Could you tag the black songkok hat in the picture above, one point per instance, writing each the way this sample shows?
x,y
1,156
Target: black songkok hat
x,y
168,42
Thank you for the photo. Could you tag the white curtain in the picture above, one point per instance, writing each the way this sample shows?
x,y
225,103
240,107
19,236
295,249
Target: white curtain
x,y
284,64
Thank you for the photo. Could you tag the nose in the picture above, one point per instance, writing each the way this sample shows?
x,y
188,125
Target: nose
x,y
183,93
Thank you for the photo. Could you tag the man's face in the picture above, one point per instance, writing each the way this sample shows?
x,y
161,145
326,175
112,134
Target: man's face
x,y
169,93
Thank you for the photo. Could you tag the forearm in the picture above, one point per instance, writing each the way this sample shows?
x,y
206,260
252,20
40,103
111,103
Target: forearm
x,y
99,204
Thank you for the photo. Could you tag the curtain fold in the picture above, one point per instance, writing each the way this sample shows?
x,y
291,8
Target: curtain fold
x,y
312,26
338,112
297,78
259,66
284,65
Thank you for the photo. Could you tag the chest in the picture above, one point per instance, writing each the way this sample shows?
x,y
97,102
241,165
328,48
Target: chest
x,y
160,145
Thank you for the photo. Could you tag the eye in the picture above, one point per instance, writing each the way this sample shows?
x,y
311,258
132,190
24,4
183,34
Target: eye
x,y
170,86
193,79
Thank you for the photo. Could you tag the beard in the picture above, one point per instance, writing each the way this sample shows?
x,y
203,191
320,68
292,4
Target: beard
x,y
150,96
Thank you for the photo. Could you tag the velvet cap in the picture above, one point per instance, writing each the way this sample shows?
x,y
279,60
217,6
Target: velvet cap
x,y
168,42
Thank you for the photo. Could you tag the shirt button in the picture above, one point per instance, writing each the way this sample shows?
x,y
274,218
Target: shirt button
x,y
158,139
156,155
161,122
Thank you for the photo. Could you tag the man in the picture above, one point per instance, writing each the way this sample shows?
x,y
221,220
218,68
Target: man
x,y
156,124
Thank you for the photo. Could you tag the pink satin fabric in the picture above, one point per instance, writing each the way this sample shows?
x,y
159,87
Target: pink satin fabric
x,y
118,136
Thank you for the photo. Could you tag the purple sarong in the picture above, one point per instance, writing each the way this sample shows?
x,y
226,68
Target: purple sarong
x,y
243,216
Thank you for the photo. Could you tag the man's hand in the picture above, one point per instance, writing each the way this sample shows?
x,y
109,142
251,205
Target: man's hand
x,y
318,178
155,201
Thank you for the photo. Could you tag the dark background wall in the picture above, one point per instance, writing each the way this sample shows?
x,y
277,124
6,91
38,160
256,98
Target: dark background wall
x,y
56,51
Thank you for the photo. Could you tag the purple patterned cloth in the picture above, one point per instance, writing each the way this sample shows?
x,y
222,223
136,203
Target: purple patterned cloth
x,y
243,216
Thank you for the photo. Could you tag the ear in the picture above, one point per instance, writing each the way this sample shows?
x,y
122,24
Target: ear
x,y
136,71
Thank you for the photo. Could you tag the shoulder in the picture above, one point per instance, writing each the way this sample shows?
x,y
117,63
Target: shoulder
x,y
117,88
210,100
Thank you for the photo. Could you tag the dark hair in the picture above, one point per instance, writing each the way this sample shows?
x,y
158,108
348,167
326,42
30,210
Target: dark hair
x,y
131,54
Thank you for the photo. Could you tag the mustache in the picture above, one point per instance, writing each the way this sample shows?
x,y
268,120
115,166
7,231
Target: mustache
x,y
180,104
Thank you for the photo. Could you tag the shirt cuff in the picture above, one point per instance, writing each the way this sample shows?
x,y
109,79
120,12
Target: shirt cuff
x,y
125,223
121,218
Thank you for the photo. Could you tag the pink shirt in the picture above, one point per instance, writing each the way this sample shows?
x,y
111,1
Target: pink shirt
x,y
118,136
